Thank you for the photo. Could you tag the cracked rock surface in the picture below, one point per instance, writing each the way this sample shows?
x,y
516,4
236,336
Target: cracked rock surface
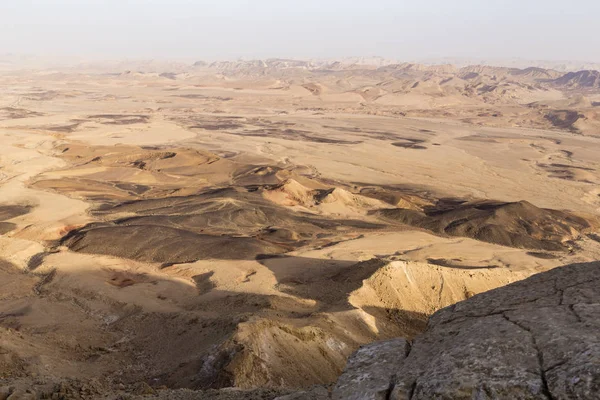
x,y
535,339
370,371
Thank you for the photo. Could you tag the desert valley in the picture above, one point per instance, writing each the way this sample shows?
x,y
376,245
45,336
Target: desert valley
x,y
238,229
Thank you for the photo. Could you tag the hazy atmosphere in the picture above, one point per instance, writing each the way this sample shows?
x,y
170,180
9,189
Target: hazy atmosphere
x,y
299,200
407,30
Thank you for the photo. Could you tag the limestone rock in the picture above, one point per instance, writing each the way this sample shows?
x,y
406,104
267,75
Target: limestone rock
x,y
370,371
315,393
534,339
5,391
22,395
142,388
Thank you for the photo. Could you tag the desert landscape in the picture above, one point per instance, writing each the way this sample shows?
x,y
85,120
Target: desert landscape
x,y
238,229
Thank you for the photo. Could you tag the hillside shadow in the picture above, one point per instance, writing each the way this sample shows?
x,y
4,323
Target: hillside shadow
x,y
393,322
328,282
191,343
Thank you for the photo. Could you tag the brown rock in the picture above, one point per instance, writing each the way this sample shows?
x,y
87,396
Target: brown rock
x,y
22,395
142,389
5,391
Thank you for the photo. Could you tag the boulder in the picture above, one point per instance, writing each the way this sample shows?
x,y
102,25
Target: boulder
x,y
370,372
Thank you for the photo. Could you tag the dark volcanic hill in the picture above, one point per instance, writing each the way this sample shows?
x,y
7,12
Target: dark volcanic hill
x,y
519,224
580,80
228,224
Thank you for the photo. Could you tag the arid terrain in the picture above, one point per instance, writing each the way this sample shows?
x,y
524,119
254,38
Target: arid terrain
x,y
250,224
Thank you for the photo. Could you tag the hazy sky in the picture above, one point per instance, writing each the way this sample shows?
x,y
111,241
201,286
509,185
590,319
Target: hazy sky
x,y
218,29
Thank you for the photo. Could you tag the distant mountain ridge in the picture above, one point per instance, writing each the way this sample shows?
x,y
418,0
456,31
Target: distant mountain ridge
x,y
580,80
387,65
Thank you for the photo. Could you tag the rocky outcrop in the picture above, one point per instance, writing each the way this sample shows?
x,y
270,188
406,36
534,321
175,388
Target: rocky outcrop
x,y
370,372
535,339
